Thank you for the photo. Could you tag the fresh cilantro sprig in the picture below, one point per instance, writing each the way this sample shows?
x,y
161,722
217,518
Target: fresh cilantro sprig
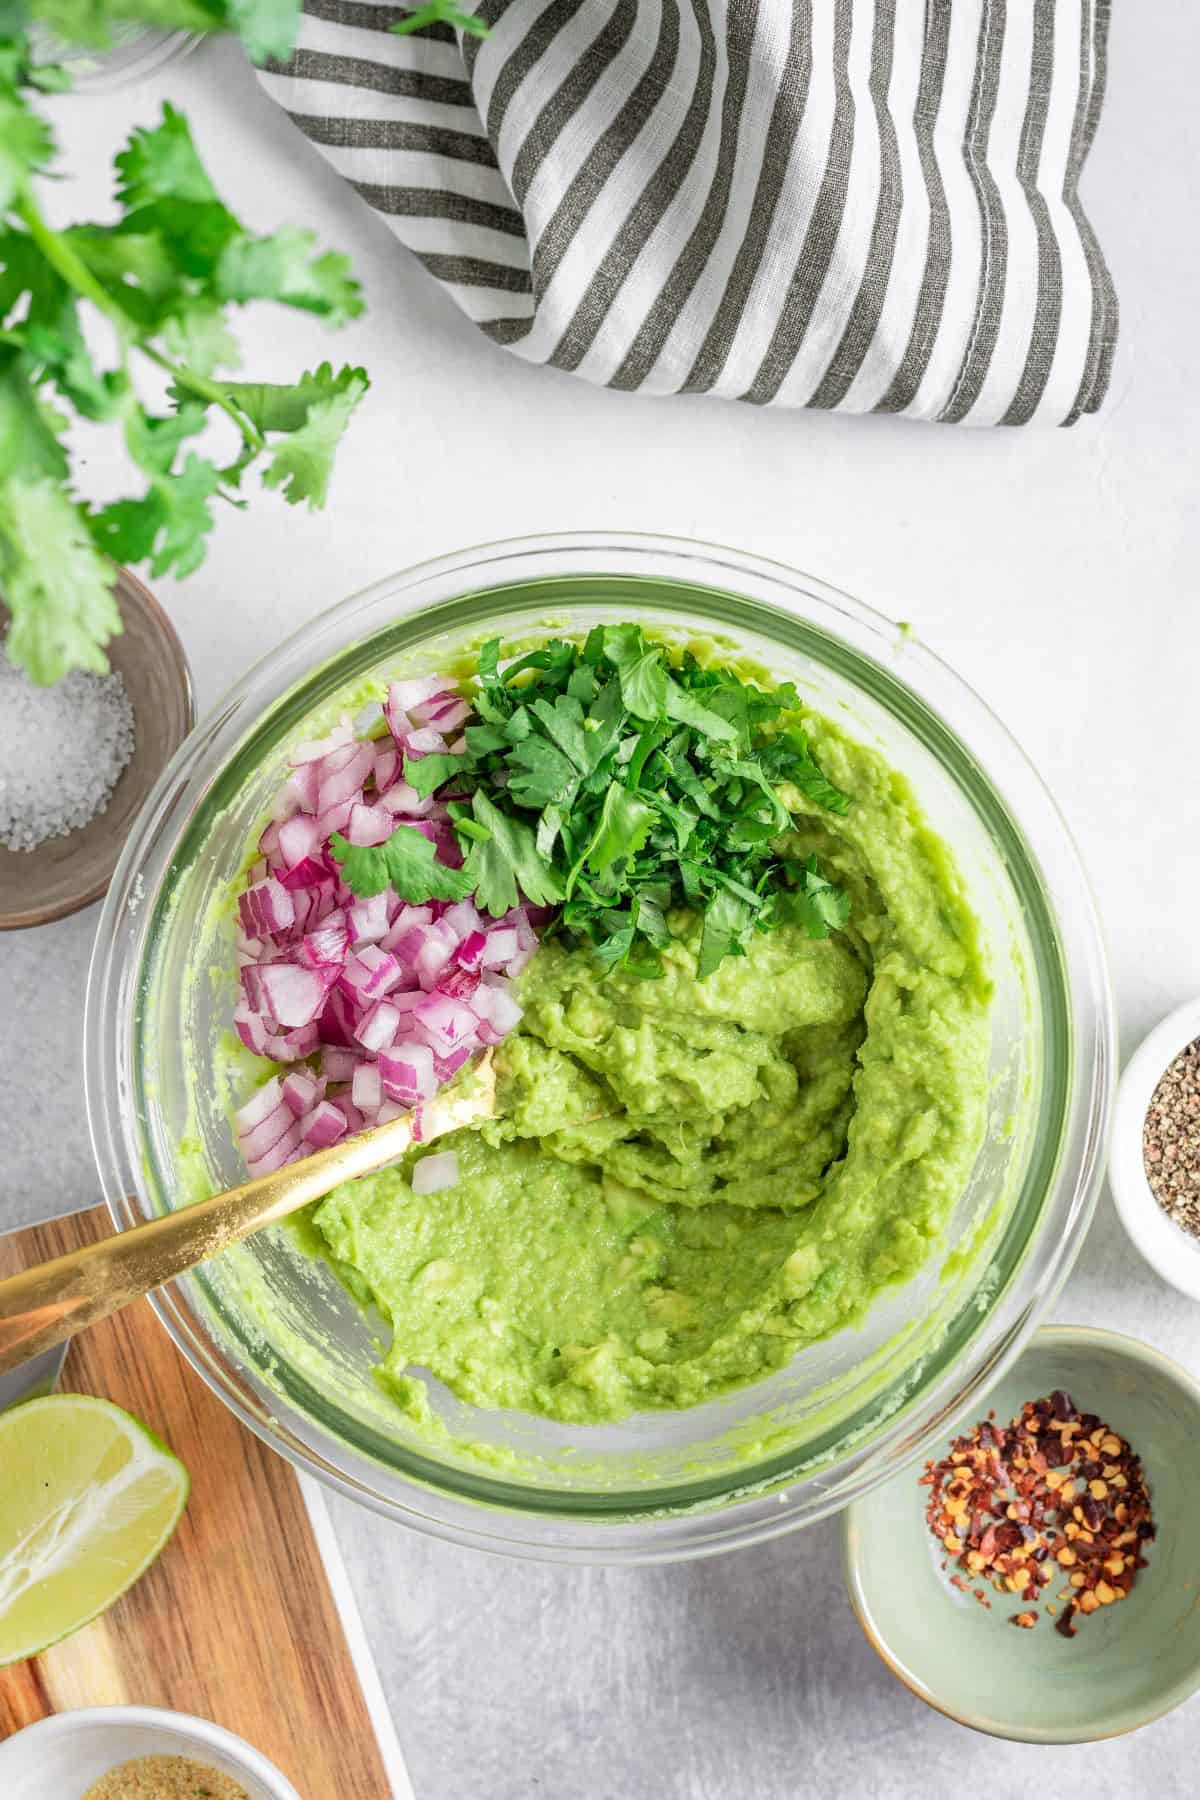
x,y
164,279
407,862
606,782
441,12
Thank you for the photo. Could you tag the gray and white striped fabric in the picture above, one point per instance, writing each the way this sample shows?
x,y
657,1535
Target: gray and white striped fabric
x,y
863,204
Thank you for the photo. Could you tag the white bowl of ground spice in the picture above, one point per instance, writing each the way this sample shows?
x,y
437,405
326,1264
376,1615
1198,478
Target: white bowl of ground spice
x,y
135,1753
1154,1159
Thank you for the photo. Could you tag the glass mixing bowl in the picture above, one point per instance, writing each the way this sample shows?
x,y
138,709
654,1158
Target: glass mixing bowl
x,y
284,1345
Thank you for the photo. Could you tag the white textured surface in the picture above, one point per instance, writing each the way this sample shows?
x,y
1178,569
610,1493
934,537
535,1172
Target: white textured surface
x,y
1056,571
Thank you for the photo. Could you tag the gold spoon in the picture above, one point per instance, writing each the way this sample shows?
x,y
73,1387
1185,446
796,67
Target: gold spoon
x,y
49,1303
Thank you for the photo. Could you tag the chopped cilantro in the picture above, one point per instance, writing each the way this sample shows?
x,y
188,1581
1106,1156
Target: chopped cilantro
x,y
615,785
407,862
502,854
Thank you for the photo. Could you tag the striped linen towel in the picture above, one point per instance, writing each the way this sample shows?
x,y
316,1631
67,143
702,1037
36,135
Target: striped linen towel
x,y
862,204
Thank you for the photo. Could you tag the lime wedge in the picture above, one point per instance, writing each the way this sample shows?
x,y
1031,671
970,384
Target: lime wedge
x,y
88,1498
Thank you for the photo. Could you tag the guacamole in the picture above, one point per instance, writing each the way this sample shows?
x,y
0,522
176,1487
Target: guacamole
x,y
690,1180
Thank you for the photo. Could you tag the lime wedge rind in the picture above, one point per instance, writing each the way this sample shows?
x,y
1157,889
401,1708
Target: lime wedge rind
x,y
88,1498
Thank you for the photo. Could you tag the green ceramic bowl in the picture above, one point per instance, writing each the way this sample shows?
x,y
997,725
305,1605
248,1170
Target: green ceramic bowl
x,y
1129,1663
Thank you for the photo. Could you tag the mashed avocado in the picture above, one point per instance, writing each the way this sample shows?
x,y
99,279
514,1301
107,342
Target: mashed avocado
x,y
691,1180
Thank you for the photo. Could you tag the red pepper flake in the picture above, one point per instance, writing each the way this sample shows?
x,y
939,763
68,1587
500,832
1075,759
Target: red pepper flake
x,y
1054,1492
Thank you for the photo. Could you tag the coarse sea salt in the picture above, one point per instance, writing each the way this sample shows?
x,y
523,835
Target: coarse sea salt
x,y
62,751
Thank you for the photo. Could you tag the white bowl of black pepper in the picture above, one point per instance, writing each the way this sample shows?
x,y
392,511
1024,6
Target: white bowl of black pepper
x,y
1154,1161
135,1753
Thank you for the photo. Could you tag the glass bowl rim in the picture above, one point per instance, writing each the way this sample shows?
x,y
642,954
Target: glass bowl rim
x,y
736,1514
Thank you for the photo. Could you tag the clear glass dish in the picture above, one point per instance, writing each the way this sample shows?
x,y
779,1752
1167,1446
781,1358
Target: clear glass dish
x,y
845,1413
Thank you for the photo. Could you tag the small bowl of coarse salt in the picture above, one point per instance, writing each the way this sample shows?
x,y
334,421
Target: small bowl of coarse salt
x,y
1154,1157
79,757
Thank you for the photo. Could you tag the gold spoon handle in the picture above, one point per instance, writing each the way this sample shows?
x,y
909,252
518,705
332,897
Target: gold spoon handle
x,y
45,1305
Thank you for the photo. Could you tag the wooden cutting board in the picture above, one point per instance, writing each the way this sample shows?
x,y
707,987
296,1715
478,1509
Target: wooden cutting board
x,y
236,1620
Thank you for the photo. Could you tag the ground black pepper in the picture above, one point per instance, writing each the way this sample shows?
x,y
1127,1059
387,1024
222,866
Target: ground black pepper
x,y
1171,1140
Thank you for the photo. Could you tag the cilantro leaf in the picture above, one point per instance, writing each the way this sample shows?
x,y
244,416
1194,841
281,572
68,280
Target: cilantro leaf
x,y
641,671
687,710
506,858
563,724
160,163
814,903
483,739
56,584
540,775
199,336
622,829
267,27
29,444
648,910
25,145
302,463
285,406
728,921
428,773
283,267
406,862
441,12
153,442
790,758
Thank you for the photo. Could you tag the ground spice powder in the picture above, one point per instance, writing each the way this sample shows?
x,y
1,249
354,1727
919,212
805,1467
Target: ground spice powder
x,y
1171,1140
1051,1509
165,1778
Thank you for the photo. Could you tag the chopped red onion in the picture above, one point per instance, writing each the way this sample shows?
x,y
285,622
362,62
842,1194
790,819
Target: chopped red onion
x,y
337,1063
444,1067
299,839
501,946
446,1023
432,958
499,1009
302,1091
369,825
433,1173
324,970
424,742
404,695
323,1126
457,982
261,1104
462,919
407,1073
368,919
344,783
318,748
377,1028
371,972
259,1140
404,801
367,1090
350,1112
335,818
469,954
326,947
294,995
279,1153
445,712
